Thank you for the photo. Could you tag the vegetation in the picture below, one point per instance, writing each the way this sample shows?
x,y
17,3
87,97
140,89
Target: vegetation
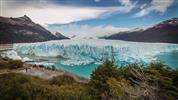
x,y
10,64
108,82
99,77
62,80
155,81
23,87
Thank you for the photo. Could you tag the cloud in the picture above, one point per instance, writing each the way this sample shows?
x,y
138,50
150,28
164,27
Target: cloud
x,y
55,14
159,6
125,2
45,12
86,31
97,0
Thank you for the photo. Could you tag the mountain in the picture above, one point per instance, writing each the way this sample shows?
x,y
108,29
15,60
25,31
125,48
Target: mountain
x,y
23,29
166,31
60,36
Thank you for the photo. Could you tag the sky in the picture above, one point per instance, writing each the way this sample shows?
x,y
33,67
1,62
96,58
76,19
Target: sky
x,y
91,18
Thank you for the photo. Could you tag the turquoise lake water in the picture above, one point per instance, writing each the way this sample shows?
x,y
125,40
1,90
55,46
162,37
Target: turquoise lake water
x,y
69,54
81,70
170,59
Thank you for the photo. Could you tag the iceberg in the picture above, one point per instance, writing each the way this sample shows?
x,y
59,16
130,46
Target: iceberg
x,y
11,54
26,59
86,51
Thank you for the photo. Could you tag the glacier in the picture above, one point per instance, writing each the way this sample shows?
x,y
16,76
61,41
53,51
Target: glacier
x,y
86,51
11,54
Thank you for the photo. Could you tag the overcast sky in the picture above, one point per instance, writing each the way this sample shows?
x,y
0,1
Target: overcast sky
x,y
91,17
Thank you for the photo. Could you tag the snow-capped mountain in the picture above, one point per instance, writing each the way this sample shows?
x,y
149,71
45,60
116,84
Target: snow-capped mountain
x,y
166,31
23,29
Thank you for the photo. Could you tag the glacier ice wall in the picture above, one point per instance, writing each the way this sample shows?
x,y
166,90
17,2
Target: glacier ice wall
x,y
11,54
95,50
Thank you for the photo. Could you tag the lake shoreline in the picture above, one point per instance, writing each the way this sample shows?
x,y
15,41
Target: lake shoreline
x,y
40,71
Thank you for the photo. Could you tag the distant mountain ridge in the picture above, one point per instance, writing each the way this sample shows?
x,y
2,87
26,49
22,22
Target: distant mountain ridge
x,y
60,36
166,32
23,29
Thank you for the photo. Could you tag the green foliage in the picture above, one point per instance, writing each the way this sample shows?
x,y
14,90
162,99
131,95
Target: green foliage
x,y
3,65
165,78
116,87
14,64
23,87
98,83
157,80
74,92
175,77
12,86
62,80
108,82
11,64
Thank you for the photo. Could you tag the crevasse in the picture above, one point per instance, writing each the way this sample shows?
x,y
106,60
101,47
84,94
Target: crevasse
x,y
95,50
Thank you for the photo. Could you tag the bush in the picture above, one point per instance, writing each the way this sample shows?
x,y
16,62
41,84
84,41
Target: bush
x,y
74,92
4,64
14,64
108,82
62,80
13,86
11,64
23,87
98,84
134,81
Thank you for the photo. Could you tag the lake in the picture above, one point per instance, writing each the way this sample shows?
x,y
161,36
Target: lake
x,y
83,57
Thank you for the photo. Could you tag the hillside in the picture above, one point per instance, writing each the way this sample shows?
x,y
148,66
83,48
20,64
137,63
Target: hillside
x,y
166,31
60,36
23,29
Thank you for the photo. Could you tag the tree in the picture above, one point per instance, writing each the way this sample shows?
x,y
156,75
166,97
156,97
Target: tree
x,y
118,88
98,84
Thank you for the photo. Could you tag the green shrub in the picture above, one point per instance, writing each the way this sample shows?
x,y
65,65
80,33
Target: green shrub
x,y
98,84
74,92
4,65
14,64
24,87
62,80
11,64
107,82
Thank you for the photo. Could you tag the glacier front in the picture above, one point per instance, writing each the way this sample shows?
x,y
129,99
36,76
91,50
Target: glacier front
x,y
86,51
